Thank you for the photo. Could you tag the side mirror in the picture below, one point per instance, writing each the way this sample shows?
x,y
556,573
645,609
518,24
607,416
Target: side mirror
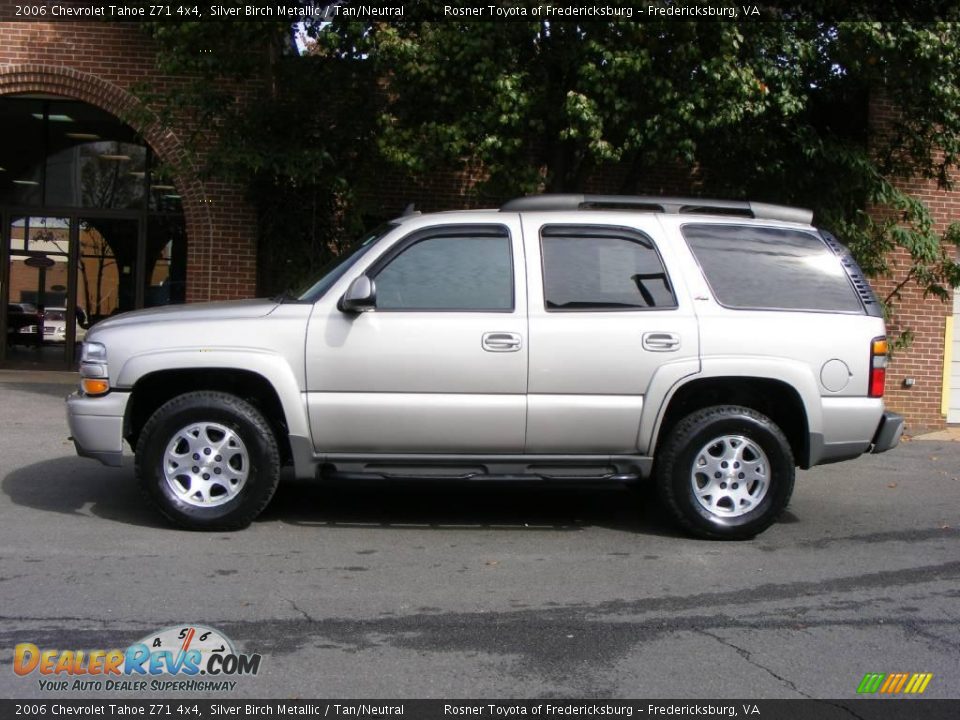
x,y
361,296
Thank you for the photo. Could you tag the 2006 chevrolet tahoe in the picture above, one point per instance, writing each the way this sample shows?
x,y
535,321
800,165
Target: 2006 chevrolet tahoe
x,y
713,345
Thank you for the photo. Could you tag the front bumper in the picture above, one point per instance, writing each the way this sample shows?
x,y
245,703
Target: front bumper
x,y
96,425
888,432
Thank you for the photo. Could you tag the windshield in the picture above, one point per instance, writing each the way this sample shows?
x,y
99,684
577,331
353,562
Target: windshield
x,y
335,269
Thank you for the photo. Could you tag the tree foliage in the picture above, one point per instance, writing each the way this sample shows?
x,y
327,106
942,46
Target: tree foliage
x,y
298,146
769,110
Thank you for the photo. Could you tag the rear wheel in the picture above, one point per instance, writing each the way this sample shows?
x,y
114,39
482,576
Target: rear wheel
x,y
726,472
208,461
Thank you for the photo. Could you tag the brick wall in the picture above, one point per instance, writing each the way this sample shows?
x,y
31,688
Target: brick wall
x,y
925,317
100,63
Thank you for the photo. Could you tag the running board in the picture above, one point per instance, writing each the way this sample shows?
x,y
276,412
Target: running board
x,y
481,468
613,478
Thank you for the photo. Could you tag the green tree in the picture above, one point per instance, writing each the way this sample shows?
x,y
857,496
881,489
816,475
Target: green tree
x,y
770,110
298,145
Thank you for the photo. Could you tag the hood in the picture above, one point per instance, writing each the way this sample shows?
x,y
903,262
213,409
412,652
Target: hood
x,y
225,310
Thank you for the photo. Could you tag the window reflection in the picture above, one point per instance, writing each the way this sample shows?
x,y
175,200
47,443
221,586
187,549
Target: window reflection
x,y
164,196
21,152
165,271
61,153
39,247
103,174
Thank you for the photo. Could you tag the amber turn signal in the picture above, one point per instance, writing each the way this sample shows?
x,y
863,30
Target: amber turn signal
x,y
94,386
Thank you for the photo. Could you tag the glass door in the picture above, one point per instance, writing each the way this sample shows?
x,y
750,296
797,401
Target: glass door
x,y
107,267
60,276
38,311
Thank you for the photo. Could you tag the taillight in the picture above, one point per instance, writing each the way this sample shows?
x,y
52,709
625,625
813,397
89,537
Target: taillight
x,y
878,366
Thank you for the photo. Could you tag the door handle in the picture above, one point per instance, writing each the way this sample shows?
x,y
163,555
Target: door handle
x,y
501,342
661,341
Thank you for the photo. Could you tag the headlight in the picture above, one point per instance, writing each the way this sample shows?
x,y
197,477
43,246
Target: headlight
x,y
93,352
94,376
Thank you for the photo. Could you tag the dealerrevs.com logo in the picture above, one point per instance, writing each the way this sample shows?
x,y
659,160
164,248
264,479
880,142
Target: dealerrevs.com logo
x,y
180,658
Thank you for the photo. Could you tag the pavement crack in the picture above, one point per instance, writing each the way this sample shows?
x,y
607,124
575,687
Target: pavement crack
x,y
934,639
300,610
748,657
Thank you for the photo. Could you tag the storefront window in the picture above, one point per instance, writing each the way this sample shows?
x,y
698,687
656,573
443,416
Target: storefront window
x,y
23,151
165,271
92,222
164,196
102,174
108,258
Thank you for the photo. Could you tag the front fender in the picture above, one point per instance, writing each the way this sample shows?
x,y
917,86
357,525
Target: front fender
x,y
274,368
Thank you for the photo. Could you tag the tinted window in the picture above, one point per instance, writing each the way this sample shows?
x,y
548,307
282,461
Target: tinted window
x,y
602,269
449,273
771,268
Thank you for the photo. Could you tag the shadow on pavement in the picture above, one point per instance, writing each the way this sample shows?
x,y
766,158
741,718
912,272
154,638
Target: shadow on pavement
x,y
75,486
455,505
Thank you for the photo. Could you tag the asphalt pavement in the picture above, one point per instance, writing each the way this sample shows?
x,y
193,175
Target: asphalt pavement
x,y
418,590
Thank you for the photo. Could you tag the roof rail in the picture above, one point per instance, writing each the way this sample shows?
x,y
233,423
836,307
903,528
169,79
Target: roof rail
x,y
654,203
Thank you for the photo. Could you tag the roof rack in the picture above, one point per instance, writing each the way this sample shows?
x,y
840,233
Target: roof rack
x,y
654,203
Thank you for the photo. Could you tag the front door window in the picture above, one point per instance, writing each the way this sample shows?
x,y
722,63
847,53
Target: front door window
x,y
469,272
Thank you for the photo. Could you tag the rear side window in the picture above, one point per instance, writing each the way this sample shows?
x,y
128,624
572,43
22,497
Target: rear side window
x,y
602,268
771,268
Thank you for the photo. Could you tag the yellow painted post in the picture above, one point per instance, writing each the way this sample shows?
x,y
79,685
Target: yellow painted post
x,y
947,361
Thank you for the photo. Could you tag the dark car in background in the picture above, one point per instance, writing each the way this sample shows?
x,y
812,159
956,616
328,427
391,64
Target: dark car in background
x,y
20,316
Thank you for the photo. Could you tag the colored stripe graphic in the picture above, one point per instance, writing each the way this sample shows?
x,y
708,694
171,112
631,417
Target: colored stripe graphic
x,y
871,682
919,681
894,683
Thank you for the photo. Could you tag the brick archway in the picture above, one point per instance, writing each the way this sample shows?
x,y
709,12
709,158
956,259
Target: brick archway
x,y
76,85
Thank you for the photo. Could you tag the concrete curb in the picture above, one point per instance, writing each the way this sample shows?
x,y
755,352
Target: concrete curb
x,y
48,377
950,434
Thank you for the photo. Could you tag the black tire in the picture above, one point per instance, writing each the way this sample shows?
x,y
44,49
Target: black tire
x,y
753,494
239,482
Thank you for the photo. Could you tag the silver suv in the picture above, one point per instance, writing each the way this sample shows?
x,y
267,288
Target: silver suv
x,y
711,345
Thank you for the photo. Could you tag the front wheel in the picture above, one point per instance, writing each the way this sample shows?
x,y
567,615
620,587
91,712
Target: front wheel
x,y
725,472
208,461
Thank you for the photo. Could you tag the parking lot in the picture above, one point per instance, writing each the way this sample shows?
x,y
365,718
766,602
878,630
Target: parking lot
x,y
419,590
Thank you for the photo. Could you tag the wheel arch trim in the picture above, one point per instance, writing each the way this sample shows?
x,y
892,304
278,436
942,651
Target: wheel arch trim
x,y
794,375
273,368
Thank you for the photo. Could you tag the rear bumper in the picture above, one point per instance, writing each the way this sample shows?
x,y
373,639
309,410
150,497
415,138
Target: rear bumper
x,y
854,426
888,433
96,426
